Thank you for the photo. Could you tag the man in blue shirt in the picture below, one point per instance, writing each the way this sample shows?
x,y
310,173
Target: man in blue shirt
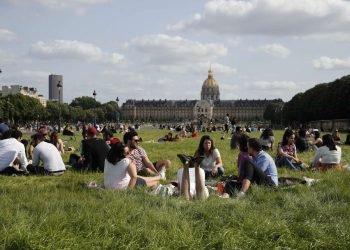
x,y
262,170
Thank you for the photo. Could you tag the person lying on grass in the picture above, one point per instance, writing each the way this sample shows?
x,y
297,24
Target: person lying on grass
x,y
191,178
120,172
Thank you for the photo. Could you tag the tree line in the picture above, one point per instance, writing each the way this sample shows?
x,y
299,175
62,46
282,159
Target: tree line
x,y
21,109
325,101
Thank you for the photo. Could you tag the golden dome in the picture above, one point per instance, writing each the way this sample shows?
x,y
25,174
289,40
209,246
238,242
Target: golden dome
x,y
210,81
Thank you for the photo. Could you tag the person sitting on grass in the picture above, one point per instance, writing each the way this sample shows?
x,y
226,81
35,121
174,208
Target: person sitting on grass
x,y
56,141
120,172
328,156
287,153
301,142
48,154
260,170
212,163
191,179
267,139
317,142
139,156
12,152
336,137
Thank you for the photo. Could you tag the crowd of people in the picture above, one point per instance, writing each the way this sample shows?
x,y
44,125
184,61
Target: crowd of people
x,y
126,165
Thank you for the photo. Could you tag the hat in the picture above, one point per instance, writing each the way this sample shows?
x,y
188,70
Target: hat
x,y
91,131
43,131
114,140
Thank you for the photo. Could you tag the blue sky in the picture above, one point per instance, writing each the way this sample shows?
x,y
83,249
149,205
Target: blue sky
x,y
158,49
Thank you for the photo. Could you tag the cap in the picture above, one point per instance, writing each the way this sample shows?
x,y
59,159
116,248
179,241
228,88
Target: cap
x,y
91,131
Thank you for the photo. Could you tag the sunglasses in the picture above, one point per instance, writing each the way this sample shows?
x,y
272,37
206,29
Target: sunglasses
x,y
137,140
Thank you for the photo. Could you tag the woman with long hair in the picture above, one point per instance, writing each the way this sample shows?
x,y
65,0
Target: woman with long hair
x,y
212,163
120,172
328,156
317,142
287,152
57,142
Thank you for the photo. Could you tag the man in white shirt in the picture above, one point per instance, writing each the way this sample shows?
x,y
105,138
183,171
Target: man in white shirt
x,y
12,152
48,154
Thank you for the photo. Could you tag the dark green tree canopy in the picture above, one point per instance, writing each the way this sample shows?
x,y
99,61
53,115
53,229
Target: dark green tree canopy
x,y
85,102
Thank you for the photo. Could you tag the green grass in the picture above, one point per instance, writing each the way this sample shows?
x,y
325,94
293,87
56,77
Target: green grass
x,y
58,213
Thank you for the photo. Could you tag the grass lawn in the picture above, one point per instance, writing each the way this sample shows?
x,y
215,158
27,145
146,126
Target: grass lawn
x,y
58,213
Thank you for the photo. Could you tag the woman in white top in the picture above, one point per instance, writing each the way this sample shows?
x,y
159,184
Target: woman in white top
x,y
121,173
212,163
329,155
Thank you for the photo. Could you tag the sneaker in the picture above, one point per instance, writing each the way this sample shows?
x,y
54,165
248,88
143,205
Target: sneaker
x,y
241,194
161,173
309,181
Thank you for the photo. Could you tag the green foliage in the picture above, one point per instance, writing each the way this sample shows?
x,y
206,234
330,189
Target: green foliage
x,y
322,102
85,102
58,213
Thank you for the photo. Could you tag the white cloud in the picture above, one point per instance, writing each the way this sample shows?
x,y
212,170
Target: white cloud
x,y
178,55
328,63
74,50
271,17
7,35
276,50
271,85
35,74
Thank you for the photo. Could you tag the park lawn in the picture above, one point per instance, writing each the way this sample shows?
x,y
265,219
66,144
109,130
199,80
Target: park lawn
x,y
59,213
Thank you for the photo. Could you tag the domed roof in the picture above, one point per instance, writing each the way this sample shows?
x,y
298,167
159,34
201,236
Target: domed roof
x,y
210,81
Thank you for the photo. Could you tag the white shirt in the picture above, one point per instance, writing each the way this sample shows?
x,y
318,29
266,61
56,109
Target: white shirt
x,y
10,149
192,175
324,155
210,161
50,156
117,176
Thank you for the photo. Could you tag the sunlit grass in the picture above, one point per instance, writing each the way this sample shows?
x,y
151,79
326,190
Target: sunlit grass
x,y
59,213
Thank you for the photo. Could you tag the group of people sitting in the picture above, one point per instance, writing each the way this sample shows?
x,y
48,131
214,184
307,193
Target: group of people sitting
x,y
13,155
126,164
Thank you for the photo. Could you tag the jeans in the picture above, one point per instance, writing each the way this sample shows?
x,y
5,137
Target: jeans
x,y
284,161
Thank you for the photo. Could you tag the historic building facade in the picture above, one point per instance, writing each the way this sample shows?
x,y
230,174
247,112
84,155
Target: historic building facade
x,y
209,107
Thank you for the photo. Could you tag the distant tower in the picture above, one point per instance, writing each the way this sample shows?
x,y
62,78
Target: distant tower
x,y
53,90
210,89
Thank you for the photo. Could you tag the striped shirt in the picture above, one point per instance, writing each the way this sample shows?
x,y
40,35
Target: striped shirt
x,y
137,155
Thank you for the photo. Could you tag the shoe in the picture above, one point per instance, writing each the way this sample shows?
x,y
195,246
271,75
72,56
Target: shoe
x,y
310,182
241,194
184,158
161,173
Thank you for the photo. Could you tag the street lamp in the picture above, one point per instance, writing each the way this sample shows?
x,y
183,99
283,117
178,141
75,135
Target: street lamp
x,y
59,86
94,94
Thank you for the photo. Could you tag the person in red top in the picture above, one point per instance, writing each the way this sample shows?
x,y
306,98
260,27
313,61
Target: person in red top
x,y
287,152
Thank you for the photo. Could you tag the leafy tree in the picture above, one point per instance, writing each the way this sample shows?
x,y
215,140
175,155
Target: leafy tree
x,y
85,102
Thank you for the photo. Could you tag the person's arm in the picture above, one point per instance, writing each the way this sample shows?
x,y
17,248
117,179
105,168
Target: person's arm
x,y
149,164
36,158
61,146
22,158
218,164
133,175
295,158
317,157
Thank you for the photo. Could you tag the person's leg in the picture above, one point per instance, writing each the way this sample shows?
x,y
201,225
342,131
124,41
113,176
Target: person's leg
x,y
221,171
162,163
289,164
245,185
185,182
8,171
36,170
200,184
149,181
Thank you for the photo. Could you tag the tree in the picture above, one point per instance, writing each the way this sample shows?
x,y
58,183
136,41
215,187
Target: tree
x,y
85,102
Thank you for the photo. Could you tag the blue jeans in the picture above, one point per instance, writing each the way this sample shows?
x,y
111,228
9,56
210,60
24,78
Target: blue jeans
x,y
284,161
220,172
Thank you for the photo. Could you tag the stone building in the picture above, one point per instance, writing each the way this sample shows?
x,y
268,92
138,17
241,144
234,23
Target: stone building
x,y
209,107
18,89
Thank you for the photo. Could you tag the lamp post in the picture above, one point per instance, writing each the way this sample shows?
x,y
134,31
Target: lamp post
x,y
94,94
59,86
